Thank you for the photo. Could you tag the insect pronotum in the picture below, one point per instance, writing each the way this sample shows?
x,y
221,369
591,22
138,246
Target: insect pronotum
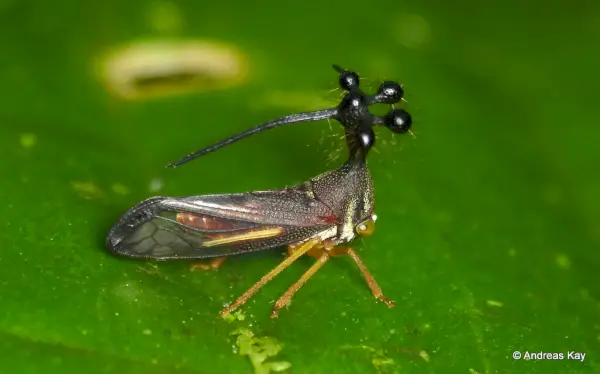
x,y
316,217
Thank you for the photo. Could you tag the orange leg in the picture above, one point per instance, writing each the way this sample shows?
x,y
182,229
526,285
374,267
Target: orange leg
x,y
291,249
375,289
215,263
287,296
315,251
299,251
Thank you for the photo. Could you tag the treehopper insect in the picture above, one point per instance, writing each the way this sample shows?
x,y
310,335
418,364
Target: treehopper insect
x,y
316,217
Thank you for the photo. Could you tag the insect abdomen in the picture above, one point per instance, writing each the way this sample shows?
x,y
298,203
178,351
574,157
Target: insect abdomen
x,y
203,222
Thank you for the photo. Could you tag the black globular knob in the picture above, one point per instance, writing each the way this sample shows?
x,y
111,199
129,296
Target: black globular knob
x,y
389,93
349,80
398,121
366,139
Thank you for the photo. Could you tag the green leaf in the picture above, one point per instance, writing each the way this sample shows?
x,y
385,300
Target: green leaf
x,y
488,230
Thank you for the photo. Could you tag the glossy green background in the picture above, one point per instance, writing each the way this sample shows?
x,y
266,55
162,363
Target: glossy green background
x,y
488,234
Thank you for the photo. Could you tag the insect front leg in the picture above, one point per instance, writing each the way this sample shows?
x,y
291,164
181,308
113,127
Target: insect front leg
x,y
215,263
371,282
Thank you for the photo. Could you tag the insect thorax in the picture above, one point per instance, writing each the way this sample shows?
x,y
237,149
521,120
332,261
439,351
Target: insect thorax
x,y
348,191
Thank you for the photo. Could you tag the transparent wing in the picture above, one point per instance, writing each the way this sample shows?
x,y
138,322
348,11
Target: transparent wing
x,y
215,225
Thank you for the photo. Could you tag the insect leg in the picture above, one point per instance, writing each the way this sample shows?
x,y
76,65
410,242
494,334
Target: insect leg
x,y
375,289
287,296
212,265
316,251
270,275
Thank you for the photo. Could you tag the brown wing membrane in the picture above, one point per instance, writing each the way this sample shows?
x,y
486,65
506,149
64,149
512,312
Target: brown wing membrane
x,y
212,226
292,206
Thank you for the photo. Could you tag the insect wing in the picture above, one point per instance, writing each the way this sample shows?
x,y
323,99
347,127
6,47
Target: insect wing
x,y
217,225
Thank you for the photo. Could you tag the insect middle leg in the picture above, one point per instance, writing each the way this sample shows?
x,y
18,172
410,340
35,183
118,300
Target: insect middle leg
x,y
287,296
300,250
215,263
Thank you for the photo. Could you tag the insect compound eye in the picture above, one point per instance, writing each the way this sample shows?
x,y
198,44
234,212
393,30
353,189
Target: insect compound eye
x,y
389,93
349,80
398,120
365,228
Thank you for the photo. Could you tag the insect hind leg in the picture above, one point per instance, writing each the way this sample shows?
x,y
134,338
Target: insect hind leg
x,y
214,264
